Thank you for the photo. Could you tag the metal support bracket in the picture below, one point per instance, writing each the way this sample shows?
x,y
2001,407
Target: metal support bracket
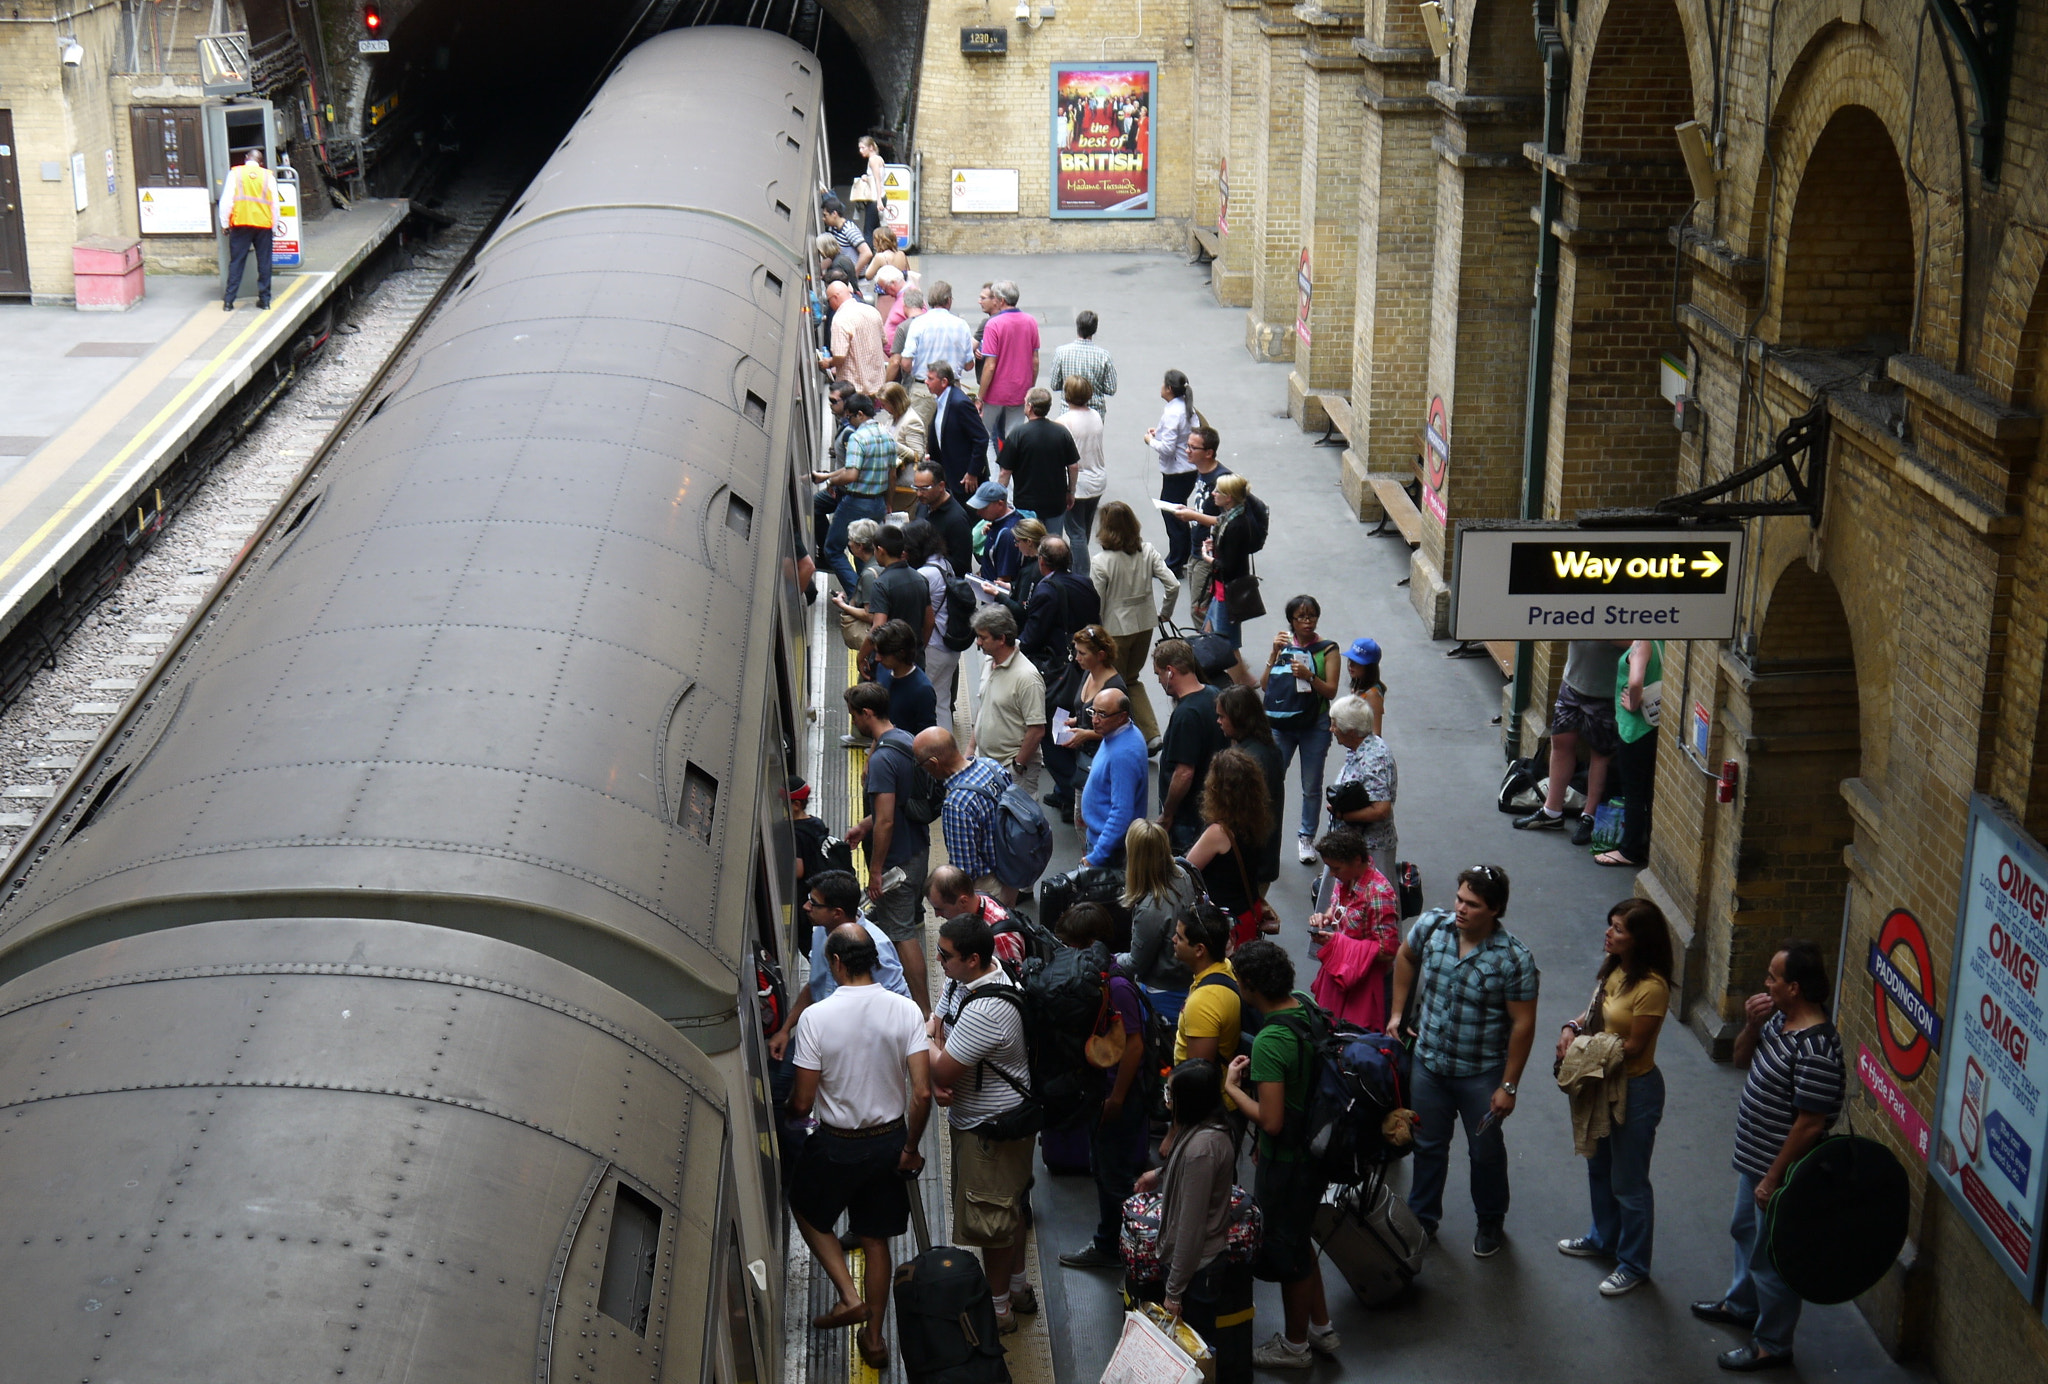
x,y
1983,31
1806,435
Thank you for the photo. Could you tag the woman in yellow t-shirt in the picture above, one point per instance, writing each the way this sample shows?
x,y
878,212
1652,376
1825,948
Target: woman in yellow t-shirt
x,y
1635,991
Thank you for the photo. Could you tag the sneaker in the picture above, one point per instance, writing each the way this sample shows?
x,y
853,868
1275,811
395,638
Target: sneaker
x,y
1582,832
1305,850
1539,820
1006,1323
1620,1281
1091,1257
1024,1300
856,742
1583,1247
1324,1340
1279,1353
1486,1243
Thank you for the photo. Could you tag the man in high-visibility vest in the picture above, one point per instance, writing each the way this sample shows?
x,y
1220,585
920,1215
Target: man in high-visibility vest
x,y
248,209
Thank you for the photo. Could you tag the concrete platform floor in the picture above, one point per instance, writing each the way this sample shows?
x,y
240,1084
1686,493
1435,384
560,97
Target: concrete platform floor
x,y
1529,1313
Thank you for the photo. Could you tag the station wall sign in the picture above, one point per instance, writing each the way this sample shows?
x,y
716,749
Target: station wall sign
x,y
1103,134
1528,580
1991,1123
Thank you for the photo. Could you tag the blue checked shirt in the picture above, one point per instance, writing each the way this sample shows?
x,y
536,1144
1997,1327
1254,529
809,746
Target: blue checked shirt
x,y
871,451
939,335
968,812
1465,1020
1091,363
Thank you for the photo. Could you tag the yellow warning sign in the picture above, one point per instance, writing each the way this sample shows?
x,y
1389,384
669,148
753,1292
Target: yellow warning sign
x,y
891,180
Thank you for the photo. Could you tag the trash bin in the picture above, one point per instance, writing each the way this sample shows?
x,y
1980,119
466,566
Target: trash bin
x,y
108,273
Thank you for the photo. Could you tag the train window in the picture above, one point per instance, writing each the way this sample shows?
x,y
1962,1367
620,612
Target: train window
x,y
797,111
627,1289
774,285
791,141
700,802
739,515
783,207
757,409
739,1315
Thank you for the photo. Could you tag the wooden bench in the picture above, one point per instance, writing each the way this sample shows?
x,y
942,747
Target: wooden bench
x,y
1338,409
1208,244
1399,509
1501,651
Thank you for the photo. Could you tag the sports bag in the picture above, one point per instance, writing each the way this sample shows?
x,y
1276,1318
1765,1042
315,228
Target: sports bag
x,y
946,1328
1215,656
1518,786
1145,1212
1023,838
1835,1227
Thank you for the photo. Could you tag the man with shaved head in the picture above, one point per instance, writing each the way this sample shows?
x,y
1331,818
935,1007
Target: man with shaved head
x,y
968,818
1114,795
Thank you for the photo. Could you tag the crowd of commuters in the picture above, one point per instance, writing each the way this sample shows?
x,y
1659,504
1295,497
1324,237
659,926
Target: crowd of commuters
x,y
1011,562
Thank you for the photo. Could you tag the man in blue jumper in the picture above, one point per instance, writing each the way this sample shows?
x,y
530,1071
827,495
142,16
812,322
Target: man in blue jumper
x,y
1115,793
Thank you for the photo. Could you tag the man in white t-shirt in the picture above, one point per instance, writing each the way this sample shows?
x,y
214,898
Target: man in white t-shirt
x,y
854,1050
982,1069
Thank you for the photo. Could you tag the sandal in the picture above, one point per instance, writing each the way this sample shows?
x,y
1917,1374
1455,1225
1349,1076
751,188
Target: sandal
x,y
846,1314
1616,859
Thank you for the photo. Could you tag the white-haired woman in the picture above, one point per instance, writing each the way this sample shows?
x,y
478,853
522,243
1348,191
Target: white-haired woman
x,y
1368,762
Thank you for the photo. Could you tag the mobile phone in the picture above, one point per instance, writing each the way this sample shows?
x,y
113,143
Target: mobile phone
x,y
1492,1119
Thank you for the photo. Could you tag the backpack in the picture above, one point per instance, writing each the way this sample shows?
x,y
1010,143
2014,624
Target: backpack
x,y
1063,998
1258,522
1360,1079
1287,704
1313,1030
961,603
1023,838
1518,786
920,806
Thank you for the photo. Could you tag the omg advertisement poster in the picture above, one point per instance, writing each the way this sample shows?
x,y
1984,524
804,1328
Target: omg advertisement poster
x,y
1991,1131
1102,140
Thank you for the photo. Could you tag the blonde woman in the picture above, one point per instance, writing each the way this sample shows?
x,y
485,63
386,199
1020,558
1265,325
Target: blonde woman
x,y
1124,571
870,204
1157,891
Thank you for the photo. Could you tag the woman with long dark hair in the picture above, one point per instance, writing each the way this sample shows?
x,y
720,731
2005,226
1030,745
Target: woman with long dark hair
x,y
1168,439
1236,821
1633,996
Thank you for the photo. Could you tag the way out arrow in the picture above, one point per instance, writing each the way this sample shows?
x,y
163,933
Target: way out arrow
x,y
1707,564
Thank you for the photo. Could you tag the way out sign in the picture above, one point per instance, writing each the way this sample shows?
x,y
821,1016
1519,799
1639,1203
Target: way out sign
x,y
1550,581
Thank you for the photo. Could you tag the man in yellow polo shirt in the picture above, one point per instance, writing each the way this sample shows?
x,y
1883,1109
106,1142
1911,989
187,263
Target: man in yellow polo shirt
x,y
1213,1016
248,210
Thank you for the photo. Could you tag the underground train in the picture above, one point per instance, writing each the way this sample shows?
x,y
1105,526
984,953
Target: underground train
x,y
381,1001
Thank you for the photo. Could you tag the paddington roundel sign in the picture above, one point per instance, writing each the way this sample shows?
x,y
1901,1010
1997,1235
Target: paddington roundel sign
x,y
1902,974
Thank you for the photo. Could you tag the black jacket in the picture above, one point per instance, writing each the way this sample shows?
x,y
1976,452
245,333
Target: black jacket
x,y
1060,604
1234,546
959,440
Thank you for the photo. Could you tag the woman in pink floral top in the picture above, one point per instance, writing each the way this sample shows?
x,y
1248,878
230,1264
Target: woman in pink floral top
x,y
1356,939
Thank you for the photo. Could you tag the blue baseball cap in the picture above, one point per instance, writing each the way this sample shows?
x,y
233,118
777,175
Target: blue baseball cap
x,y
1364,652
991,492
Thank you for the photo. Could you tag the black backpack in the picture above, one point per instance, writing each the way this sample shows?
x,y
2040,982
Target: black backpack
x,y
1258,522
920,806
1062,997
961,603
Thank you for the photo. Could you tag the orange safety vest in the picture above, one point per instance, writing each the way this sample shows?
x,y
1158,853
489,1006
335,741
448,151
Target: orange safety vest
x,y
249,189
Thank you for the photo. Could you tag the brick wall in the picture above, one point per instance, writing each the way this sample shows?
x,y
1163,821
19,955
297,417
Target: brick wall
x,y
1331,175
1244,78
996,112
1274,212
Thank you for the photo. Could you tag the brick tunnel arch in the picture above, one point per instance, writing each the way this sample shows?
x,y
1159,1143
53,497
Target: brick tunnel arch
x,y
1848,278
1790,878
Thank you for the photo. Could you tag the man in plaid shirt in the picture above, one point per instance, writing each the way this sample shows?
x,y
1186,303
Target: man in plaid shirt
x,y
1083,358
870,460
1478,1020
968,818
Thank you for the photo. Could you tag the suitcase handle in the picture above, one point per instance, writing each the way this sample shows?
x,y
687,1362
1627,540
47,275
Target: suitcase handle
x,y
918,1225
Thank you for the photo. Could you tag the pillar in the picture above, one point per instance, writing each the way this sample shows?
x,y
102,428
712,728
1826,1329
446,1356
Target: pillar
x,y
1276,209
1244,70
1331,121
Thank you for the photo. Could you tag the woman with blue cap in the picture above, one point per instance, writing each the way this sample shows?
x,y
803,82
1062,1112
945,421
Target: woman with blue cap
x,y
1362,661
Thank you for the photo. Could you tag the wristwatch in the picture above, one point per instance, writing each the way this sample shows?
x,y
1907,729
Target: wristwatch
x,y
1509,1087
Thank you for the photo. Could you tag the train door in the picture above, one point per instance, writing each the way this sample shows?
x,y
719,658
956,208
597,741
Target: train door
x,y
13,235
738,1324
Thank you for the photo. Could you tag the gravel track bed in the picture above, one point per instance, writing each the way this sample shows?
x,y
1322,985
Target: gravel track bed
x,y
65,709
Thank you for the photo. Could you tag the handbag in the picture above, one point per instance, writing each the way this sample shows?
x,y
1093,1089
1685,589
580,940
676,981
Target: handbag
x,y
1143,1214
1258,920
863,189
1241,596
1105,1045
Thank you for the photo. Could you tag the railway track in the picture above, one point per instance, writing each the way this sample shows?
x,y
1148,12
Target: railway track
x,y
70,671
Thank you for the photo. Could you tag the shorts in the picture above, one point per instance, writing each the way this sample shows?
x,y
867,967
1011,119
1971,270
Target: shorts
x,y
855,1177
1591,718
1287,1194
990,1182
900,911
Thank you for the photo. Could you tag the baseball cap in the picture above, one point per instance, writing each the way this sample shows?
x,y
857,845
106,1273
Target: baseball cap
x,y
1363,651
991,492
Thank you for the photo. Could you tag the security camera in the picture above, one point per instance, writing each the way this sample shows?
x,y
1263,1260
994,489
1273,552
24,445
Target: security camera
x,y
74,54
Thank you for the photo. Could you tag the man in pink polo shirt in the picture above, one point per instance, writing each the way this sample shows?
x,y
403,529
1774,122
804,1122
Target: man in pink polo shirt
x,y
1009,360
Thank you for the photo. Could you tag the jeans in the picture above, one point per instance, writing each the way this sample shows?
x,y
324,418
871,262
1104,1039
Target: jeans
x,y
1313,743
1175,489
241,240
1756,1286
1116,1153
1618,1176
1440,1101
942,665
1218,621
1064,764
1080,522
833,555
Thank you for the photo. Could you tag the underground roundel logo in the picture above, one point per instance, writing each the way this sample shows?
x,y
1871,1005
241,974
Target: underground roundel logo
x,y
1902,974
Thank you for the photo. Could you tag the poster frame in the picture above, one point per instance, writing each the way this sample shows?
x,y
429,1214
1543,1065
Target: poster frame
x,y
1058,69
2006,829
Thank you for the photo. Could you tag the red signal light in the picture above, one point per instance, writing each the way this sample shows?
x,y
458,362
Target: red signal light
x,y
373,22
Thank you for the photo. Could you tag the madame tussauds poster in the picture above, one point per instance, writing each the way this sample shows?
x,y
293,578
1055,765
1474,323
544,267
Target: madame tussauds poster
x,y
1102,139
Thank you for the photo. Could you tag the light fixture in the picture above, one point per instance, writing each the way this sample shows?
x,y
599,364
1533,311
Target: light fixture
x,y
1699,160
1031,16
74,53
1437,25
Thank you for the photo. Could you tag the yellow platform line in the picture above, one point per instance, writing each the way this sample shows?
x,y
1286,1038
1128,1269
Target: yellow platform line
x,y
178,400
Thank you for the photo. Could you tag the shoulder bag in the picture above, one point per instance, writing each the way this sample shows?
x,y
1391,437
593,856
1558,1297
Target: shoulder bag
x,y
1241,594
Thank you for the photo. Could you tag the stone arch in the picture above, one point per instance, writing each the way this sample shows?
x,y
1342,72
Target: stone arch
x,y
1633,81
1846,280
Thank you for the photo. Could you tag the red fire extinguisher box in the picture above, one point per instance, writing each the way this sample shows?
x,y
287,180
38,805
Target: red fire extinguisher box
x,y
107,273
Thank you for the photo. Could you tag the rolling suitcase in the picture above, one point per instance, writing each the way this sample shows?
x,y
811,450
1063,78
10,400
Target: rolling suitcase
x,y
945,1318
1373,1239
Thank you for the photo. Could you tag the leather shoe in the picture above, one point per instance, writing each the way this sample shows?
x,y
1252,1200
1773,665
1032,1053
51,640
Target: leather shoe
x,y
1748,1360
1718,1310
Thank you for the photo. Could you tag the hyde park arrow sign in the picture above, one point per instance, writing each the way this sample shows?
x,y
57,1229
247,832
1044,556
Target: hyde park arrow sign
x,y
1550,581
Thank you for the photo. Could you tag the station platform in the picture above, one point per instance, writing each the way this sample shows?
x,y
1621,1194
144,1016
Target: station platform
x,y
95,406
1527,1312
